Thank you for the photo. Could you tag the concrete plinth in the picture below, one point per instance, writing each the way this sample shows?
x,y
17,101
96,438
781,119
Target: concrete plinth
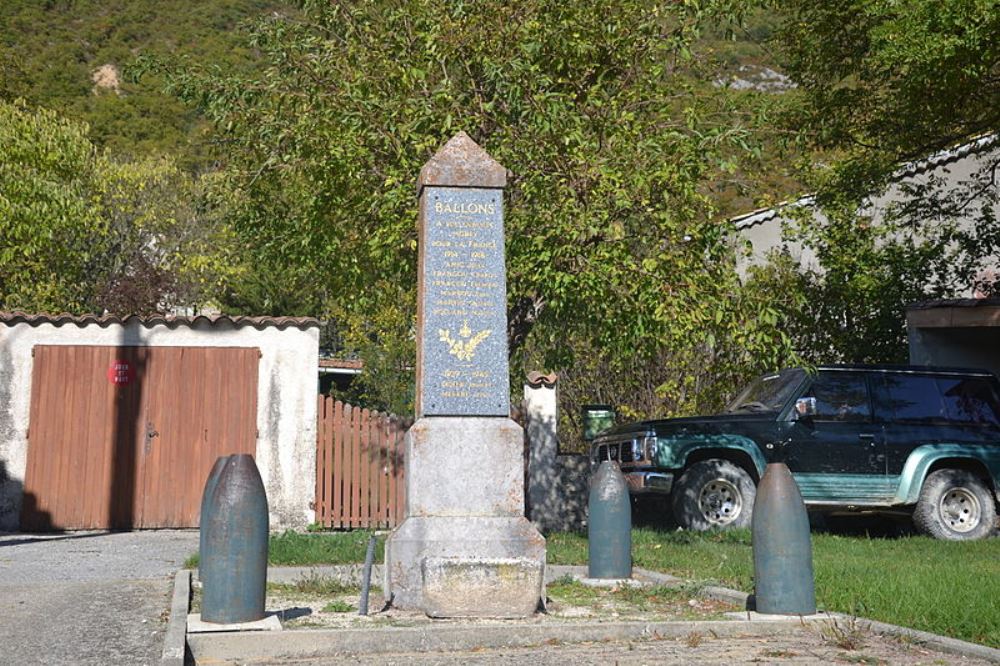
x,y
465,548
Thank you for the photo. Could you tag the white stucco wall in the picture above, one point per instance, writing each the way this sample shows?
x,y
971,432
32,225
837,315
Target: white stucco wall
x,y
286,400
957,174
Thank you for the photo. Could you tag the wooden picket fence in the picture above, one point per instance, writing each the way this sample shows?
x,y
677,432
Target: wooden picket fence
x,y
359,466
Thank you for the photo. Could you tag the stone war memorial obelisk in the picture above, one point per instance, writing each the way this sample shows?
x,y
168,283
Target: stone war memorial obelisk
x,y
465,548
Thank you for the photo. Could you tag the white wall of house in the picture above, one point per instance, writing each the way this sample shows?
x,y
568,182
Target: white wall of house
x,y
286,394
955,172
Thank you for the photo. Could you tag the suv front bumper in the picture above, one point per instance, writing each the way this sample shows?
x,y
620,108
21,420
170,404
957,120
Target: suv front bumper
x,y
649,482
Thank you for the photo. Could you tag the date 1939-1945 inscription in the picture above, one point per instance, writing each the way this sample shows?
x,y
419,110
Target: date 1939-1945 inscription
x,y
464,303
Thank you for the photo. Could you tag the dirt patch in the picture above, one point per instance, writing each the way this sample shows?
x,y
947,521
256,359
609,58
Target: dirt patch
x,y
107,77
325,603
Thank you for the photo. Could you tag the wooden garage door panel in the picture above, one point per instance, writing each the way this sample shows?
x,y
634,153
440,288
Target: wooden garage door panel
x,y
71,442
206,407
134,454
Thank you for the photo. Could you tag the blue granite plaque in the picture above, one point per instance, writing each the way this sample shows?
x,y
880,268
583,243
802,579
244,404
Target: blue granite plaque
x,y
463,341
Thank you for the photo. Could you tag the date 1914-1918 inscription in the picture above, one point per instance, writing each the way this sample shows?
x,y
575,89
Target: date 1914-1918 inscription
x,y
464,343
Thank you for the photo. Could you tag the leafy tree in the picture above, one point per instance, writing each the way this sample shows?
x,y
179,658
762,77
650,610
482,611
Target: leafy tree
x,y
852,310
51,226
887,82
881,84
49,52
82,232
612,132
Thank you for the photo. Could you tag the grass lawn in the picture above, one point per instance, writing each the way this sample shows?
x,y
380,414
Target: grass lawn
x,y
950,588
294,549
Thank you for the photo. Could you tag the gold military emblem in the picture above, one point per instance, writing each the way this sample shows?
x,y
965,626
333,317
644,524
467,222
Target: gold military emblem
x,y
465,347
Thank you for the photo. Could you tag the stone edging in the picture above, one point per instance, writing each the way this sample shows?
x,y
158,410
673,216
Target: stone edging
x,y
331,643
317,642
175,638
938,642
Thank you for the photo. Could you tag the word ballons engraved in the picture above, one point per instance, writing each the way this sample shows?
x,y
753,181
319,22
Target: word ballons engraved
x,y
464,349
465,208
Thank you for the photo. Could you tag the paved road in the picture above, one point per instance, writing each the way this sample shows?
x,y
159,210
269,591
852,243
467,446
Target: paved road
x,y
87,597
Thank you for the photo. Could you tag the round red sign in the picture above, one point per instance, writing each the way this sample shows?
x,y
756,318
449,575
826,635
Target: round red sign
x,y
121,373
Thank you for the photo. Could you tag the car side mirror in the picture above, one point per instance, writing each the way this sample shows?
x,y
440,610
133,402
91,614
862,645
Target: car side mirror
x,y
805,409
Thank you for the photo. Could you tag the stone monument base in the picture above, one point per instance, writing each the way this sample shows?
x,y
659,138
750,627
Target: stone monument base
x,y
472,566
465,548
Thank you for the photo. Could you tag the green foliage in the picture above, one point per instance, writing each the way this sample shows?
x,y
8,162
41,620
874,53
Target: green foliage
x,y
612,131
85,233
880,84
295,549
891,81
49,52
338,607
49,213
853,308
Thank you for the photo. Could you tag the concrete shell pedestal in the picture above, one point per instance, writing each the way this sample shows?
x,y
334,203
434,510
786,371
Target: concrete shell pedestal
x,y
465,548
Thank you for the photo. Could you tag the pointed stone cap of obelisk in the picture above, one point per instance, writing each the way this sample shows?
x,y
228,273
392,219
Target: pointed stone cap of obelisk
x,y
462,163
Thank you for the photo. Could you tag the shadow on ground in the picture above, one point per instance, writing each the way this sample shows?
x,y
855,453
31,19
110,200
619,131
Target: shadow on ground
x,y
655,513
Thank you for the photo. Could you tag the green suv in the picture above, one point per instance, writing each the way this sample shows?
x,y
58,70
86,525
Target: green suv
x,y
925,441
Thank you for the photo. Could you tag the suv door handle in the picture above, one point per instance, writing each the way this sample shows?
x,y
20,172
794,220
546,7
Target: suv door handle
x,y
864,437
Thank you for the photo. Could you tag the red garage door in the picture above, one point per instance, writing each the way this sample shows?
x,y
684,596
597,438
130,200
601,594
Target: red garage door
x,y
124,437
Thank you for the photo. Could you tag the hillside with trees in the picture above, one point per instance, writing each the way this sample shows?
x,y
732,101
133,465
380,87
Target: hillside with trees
x,y
73,55
259,157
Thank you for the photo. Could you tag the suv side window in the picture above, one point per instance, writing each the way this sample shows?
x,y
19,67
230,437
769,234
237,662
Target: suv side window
x,y
840,396
924,399
970,400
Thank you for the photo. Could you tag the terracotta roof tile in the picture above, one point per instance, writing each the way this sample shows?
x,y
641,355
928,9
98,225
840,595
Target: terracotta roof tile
x,y
537,379
171,321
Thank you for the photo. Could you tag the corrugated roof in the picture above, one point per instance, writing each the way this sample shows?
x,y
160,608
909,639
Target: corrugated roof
x,y
938,159
171,321
765,214
946,156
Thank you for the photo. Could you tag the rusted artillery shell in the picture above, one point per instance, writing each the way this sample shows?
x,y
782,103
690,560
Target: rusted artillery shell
x,y
235,562
782,550
609,528
210,483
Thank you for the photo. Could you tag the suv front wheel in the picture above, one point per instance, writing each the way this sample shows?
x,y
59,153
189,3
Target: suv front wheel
x,y
954,504
713,494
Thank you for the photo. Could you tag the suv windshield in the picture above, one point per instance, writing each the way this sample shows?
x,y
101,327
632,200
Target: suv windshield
x,y
768,393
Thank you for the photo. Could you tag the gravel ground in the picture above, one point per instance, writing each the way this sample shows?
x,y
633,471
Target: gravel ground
x,y
87,597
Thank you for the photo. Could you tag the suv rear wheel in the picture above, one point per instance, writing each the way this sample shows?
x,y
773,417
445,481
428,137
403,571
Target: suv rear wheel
x,y
954,504
713,494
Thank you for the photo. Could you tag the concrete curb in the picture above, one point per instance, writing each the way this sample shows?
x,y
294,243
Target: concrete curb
x,y
174,640
318,643
941,643
326,643
936,641
734,597
345,573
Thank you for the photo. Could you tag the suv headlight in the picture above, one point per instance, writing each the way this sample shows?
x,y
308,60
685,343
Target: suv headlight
x,y
637,450
649,448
